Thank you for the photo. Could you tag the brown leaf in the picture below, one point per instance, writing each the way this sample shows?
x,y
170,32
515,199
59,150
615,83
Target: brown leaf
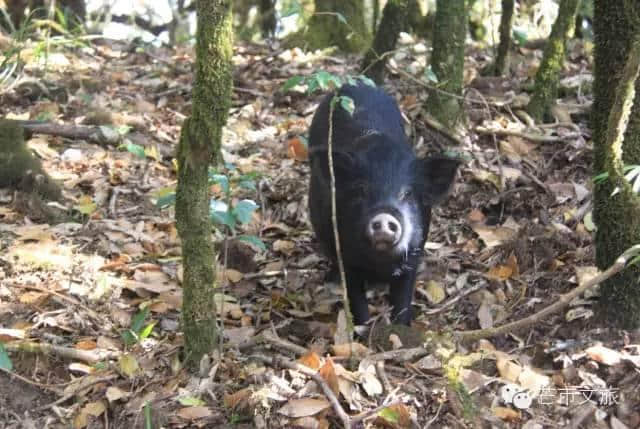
x,y
194,413
297,150
232,400
304,407
328,373
311,360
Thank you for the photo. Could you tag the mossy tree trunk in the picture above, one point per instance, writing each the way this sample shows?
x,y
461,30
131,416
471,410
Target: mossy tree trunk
x,y
394,20
327,28
506,22
447,61
618,216
545,89
199,147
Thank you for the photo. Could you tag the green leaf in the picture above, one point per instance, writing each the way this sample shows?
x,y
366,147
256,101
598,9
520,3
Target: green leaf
x,y
223,181
347,104
129,337
366,80
138,320
430,75
295,8
291,82
323,78
520,36
190,401
247,184
351,80
166,201
243,210
146,331
312,86
5,360
133,148
253,240
589,225
390,415
223,218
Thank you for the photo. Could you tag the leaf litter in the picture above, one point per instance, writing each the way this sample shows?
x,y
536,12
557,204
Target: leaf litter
x,y
513,231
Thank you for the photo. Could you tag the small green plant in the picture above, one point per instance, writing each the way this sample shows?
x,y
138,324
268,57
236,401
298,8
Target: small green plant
x,y
225,213
631,173
137,332
323,81
5,360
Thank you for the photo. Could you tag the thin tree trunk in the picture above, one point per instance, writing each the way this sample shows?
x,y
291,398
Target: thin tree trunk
x,y
546,86
394,20
199,147
506,22
447,61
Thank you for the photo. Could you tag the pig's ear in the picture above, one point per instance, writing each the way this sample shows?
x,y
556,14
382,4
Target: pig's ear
x,y
343,162
438,174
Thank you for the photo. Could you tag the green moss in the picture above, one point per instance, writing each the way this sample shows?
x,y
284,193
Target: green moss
x,y
199,146
617,217
546,87
19,168
447,61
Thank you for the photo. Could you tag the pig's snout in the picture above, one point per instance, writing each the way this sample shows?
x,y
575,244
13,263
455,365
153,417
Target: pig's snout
x,y
384,231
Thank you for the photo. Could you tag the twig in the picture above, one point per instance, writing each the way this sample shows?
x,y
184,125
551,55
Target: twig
x,y
452,301
542,138
269,338
89,356
315,376
334,222
100,135
561,303
49,387
75,391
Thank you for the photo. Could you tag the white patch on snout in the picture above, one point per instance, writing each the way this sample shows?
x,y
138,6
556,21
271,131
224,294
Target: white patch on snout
x,y
408,222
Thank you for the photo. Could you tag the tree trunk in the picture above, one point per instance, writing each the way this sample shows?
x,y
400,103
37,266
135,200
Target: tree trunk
x,y
618,216
394,20
199,147
545,89
376,15
268,18
506,22
447,61
327,28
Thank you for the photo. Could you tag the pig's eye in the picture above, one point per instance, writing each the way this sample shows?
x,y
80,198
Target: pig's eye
x,y
405,194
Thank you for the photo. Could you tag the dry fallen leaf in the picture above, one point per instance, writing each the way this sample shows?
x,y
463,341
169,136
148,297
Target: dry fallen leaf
x,y
328,373
194,413
303,407
604,355
311,360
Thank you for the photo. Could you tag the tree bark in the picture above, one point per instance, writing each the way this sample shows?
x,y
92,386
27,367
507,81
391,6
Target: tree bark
x,y
618,216
545,89
447,61
506,22
199,147
394,20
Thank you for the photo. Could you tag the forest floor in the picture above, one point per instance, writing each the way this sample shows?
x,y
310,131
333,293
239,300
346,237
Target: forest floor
x,y
515,234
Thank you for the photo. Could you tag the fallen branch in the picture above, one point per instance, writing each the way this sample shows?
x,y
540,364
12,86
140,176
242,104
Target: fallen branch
x,y
88,356
561,303
101,134
542,138
267,337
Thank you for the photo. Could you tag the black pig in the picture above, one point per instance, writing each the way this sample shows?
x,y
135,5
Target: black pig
x,y
384,195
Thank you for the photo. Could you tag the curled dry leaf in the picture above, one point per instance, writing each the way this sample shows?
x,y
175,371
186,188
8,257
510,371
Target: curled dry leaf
x,y
304,407
328,373
194,413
